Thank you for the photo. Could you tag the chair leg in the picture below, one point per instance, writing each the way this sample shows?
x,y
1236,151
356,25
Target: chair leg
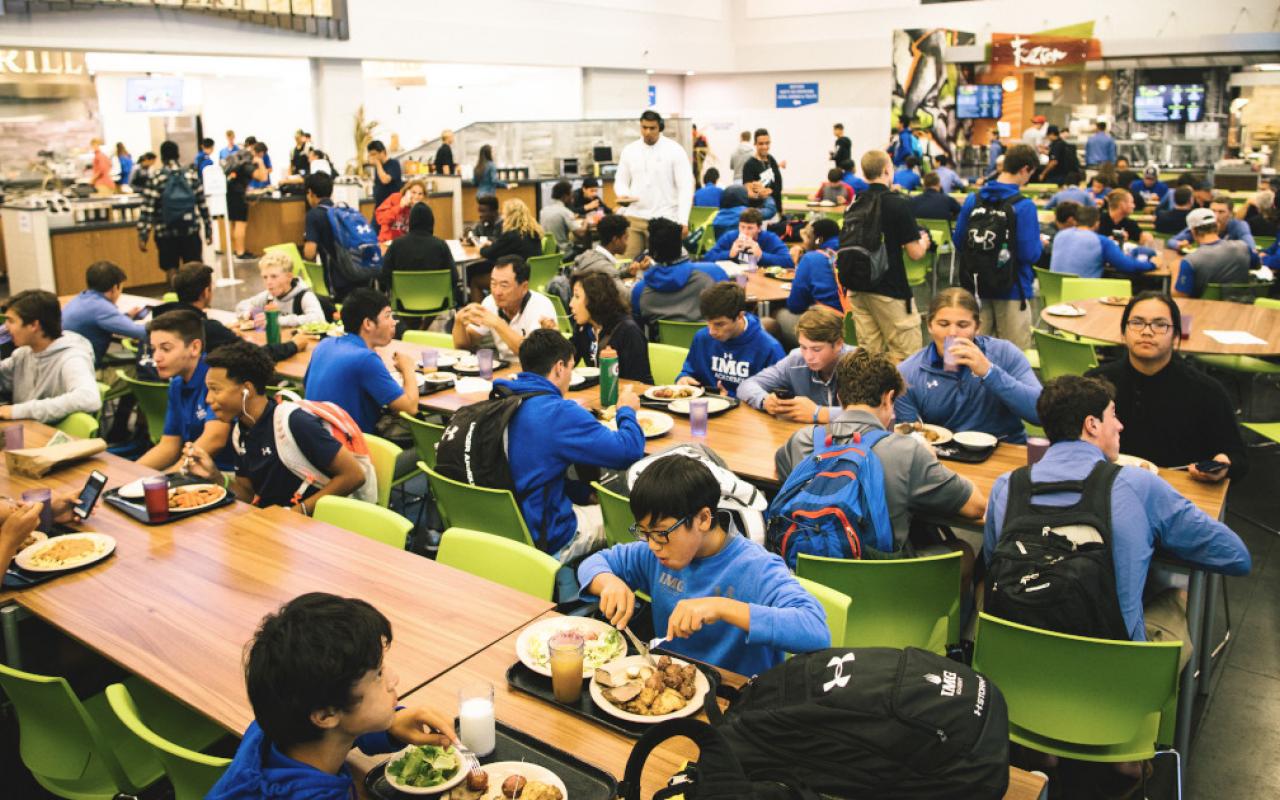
x,y
1177,762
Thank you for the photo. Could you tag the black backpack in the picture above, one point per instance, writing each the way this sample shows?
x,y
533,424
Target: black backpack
x,y
327,305
177,199
1048,575
862,258
987,264
865,722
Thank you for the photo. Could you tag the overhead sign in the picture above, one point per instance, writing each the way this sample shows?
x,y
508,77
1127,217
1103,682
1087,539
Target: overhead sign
x,y
41,62
793,95
653,95
1021,51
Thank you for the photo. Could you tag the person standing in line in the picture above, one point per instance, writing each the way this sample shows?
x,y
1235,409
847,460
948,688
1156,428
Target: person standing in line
x,y
1036,133
844,148
1100,148
653,180
299,162
740,156
387,178
124,165
485,174
174,206
141,178
205,157
231,147
763,169
100,170
445,165
1064,163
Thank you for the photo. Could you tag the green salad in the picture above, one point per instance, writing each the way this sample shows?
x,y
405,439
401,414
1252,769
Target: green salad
x,y
598,647
317,328
425,766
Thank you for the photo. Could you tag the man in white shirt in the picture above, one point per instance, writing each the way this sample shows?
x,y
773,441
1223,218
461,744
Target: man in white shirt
x,y
654,179
508,314
1035,134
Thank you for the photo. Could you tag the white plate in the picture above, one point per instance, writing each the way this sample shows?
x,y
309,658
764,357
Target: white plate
x,y
695,391
438,377
1133,461
714,405
177,490
576,380
700,684
501,770
539,632
944,435
473,386
36,538
132,491
975,440
587,372
1064,310
659,424
437,789
104,546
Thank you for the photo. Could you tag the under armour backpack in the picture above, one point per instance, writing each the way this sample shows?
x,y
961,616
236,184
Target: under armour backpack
x,y
987,264
847,723
357,256
177,199
862,258
833,503
1052,567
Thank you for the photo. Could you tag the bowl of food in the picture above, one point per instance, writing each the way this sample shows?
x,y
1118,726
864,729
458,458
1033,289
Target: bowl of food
x,y
652,423
974,440
438,377
636,690
933,434
425,769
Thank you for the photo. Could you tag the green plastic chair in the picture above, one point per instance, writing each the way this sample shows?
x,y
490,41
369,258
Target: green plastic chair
x,y
477,507
678,333
421,293
500,560
549,245
850,330
426,435
563,321
313,274
79,749
434,339
543,268
909,602
153,399
701,215
1050,285
80,425
1082,698
169,297
836,605
383,454
1264,242
373,522
1074,289
1236,292
666,361
1267,302
191,773
616,511
1061,356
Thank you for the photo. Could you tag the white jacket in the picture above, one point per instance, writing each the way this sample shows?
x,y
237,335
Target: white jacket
x,y
50,385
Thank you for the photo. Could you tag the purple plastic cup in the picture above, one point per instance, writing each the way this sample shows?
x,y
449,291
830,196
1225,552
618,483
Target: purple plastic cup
x,y
1036,447
698,417
741,280
14,437
949,362
1186,326
46,511
484,359
429,358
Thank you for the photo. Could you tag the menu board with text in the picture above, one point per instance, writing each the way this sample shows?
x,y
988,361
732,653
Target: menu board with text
x,y
1169,102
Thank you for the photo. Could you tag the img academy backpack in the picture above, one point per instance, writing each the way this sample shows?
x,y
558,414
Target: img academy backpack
x,y
846,723
861,259
987,265
832,503
357,256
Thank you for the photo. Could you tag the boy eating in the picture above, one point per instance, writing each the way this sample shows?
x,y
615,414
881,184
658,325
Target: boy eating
x,y
717,596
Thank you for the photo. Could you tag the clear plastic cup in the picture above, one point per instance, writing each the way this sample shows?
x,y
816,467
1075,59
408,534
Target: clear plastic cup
x,y
565,649
484,359
44,496
949,362
429,358
698,416
1186,326
477,727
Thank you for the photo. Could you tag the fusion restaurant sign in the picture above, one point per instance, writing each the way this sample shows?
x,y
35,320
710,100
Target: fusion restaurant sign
x,y
1021,51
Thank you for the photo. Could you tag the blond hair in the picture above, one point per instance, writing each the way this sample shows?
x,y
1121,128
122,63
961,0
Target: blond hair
x,y
275,260
874,163
419,182
821,324
517,217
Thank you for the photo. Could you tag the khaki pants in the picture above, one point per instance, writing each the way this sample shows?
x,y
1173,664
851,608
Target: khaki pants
x,y
637,236
885,324
1006,319
1166,621
590,536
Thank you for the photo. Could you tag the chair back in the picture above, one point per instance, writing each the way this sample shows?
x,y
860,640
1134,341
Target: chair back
x,y
80,425
910,602
426,435
436,339
1050,285
1061,356
666,361
191,773
1077,690
1267,302
373,522
383,454
421,292
153,399
678,333
477,508
313,274
1074,289
616,511
500,560
850,330
918,269
700,215
549,245
543,268
835,605
563,321
1264,242
1248,292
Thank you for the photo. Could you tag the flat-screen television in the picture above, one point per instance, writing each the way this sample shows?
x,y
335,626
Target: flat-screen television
x,y
979,101
1169,102
153,95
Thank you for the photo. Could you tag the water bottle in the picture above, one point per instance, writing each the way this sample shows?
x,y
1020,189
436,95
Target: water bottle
x,y
608,377
273,323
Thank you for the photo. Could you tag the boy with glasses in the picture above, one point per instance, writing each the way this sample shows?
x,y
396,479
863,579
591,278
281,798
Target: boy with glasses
x,y
717,597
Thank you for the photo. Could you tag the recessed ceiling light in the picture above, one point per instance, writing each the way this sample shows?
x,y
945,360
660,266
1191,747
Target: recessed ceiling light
x,y
648,72
691,72
1267,67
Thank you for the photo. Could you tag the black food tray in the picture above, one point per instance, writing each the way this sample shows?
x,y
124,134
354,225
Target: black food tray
x,y
584,781
497,365
431,387
963,455
19,578
665,405
137,509
523,679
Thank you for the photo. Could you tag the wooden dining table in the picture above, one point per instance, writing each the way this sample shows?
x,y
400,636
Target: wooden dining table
x,y
1102,321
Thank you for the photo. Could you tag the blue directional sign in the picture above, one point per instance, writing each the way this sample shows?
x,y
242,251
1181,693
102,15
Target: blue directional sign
x,y
794,95
653,95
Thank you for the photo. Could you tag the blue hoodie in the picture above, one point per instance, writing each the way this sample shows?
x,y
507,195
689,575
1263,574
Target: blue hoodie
x,y
908,179
1083,252
784,617
855,183
961,401
1072,194
669,278
548,435
815,282
773,251
708,196
712,362
97,319
1027,248
260,771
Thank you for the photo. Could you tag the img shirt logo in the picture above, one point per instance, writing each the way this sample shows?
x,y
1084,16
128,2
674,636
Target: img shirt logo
x,y
726,366
840,679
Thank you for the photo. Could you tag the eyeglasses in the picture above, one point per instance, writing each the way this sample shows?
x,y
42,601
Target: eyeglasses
x,y
1136,324
661,537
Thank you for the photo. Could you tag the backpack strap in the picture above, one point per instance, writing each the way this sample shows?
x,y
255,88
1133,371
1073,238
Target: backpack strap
x,y
718,768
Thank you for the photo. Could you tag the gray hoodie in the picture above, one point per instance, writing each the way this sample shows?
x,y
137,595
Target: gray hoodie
x,y
312,311
50,385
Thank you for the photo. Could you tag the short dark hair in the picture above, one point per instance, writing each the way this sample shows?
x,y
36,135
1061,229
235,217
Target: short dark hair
x,y
1121,158
1068,400
376,146
147,156
250,141
488,201
839,125
862,378
931,179
362,304
561,189
1182,195
725,299
37,305
824,228
191,280
665,244
542,349
1066,210
244,363
1175,313
904,119
846,164
652,116
1102,179
674,486
1102,126
103,276
185,324
1020,157
912,162
320,184
590,182
751,216
207,142
611,226
1087,215
309,656
711,175
759,132
517,264
260,148
169,151
940,160
834,175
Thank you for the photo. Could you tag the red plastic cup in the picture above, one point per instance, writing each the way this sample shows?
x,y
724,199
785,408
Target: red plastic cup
x,y
156,492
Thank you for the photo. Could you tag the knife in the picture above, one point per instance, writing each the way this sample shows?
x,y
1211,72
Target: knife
x,y
640,646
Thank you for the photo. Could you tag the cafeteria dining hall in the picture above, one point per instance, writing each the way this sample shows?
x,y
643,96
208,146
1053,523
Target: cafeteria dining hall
x,y
642,400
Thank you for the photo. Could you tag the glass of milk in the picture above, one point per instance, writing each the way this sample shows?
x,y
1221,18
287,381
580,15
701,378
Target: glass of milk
x,y
476,724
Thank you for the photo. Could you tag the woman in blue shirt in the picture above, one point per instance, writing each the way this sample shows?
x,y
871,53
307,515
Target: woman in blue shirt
x,y
991,388
126,164
485,175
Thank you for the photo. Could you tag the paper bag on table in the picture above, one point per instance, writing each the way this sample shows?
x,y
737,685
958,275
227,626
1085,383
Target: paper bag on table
x,y
36,462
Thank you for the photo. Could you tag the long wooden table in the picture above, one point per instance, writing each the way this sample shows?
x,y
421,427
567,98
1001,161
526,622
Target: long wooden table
x,y
1101,321
176,603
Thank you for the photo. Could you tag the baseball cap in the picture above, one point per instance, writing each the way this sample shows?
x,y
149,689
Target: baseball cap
x,y
1199,217
1052,130
1038,118
590,183
1151,171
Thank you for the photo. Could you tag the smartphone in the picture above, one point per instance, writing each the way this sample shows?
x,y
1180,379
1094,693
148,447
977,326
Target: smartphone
x,y
89,495
1211,466
784,394
144,313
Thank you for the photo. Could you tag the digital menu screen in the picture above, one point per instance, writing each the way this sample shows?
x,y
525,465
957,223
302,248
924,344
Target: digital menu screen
x,y
153,95
979,101
1169,102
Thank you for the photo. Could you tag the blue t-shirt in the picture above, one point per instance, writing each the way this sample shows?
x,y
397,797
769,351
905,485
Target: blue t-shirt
x,y
708,196
908,179
189,410
345,371
256,457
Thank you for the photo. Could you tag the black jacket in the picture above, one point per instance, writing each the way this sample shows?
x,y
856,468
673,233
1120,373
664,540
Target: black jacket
x,y
626,339
419,249
216,334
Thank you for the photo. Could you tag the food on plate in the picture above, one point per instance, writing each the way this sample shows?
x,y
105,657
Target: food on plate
x,y
674,392
32,538
437,376
599,647
605,414
317,328
514,786
65,552
650,692
537,790
649,425
478,781
908,428
185,498
247,324
425,766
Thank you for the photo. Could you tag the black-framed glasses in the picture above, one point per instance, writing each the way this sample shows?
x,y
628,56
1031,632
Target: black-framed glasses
x,y
660,537
1136,324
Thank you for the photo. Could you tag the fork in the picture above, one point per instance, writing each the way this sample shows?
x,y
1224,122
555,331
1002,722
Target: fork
x,y
469,757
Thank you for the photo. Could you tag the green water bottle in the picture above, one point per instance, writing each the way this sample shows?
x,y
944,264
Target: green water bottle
x,y
273,323
608,377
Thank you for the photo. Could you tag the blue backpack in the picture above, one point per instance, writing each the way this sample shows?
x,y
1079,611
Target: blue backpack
x,y
904,148
357,256
833,502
